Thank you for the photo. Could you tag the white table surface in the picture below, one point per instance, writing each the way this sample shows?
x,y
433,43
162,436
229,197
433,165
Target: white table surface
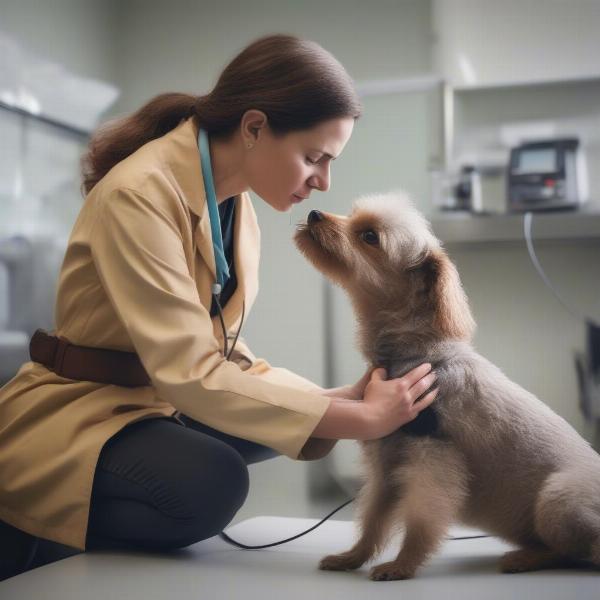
x,y
213,569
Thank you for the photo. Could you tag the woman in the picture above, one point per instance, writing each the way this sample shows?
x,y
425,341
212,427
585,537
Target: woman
x,y
139,433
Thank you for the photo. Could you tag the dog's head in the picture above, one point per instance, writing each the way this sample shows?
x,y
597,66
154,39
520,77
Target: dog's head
x,y
384,254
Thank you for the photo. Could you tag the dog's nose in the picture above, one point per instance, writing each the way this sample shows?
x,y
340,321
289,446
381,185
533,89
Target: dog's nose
x,y
314,216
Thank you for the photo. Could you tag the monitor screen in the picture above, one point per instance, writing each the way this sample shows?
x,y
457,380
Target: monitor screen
x,y
537,161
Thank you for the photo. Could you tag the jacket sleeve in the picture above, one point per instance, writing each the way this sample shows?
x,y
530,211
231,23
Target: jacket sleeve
x,y
315,447
137,249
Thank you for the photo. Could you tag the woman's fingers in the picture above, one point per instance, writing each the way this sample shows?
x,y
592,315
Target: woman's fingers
x,y
416,374
426,400
379,374
423,385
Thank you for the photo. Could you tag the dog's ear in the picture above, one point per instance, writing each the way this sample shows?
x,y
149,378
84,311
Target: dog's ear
x,y
452,315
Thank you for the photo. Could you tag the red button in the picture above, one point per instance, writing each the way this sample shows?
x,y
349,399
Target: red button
x,y
550,182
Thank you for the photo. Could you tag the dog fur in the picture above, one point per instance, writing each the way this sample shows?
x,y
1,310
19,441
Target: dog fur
x,y
487,453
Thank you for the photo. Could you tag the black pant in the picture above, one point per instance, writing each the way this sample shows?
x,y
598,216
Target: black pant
x,y
159,485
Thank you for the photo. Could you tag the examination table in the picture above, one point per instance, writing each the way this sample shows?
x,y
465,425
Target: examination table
x,y
213,569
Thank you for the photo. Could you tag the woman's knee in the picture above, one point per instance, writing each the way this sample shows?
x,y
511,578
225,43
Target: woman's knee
x,y
195,484
214,508
226,487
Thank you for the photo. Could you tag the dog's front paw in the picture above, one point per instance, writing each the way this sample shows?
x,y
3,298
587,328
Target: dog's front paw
x,y
346,561
390,571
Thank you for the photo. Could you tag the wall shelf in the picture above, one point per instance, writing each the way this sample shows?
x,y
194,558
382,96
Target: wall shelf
x,y
529,83
458,228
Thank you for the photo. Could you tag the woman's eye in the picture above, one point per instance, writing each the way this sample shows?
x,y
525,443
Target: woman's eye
x,y
370,237
310,161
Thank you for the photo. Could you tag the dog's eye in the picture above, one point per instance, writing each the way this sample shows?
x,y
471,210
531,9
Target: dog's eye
x,y
370,237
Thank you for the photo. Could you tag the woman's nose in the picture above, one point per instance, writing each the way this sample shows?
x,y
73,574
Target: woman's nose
x,y
320,182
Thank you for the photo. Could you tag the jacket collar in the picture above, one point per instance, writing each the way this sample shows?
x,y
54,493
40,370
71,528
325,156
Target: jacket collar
x,y
182,159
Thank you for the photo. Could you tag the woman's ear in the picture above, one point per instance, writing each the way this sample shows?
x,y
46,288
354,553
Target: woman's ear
x,y
252,122
452,315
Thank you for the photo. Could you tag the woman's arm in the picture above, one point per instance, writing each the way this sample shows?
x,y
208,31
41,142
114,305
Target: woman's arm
x,y
344,393
344,420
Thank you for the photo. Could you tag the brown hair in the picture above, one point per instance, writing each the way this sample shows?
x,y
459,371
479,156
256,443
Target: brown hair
x,y
295,82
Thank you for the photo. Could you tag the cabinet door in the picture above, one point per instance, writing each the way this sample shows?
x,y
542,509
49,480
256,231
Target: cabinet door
x,y
485,42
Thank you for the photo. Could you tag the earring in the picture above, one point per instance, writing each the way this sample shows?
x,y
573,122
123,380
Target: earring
x,y
249,145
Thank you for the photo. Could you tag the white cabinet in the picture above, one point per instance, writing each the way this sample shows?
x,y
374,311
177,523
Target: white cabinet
x,y
486,42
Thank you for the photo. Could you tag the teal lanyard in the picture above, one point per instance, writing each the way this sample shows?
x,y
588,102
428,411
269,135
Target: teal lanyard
x,y
213,209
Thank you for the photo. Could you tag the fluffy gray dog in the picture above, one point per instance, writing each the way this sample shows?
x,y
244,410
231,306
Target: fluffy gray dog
x,y
487,453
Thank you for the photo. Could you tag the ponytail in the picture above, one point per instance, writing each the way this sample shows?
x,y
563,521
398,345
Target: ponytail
x,y
117,139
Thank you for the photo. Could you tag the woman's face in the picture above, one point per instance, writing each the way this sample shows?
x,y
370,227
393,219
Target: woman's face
x,y
283,170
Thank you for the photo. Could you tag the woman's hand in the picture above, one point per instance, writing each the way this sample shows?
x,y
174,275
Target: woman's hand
x,y
351,392
357,391
389,404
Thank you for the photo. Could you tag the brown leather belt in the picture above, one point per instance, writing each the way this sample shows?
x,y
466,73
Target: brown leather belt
x,y
86,363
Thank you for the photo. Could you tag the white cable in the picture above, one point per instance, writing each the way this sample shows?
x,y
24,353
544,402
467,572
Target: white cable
x,y
527,232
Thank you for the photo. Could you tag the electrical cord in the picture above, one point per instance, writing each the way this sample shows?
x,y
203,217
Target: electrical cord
x,y
233,542
225,537
527,220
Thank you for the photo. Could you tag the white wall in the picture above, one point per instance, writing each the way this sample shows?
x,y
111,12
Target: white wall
x,y
78,34
184,44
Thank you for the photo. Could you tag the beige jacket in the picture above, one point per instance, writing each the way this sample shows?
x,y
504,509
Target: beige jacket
x,y
137,276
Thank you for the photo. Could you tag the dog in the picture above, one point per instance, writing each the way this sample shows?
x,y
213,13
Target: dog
x,y
486,453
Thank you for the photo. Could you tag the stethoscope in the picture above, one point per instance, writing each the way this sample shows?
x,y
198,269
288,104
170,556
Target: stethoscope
x,y
221,266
